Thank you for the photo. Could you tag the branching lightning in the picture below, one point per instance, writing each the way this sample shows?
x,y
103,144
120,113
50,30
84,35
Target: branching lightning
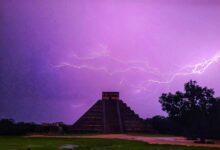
x,y
143,65
134,66
65,64
198,68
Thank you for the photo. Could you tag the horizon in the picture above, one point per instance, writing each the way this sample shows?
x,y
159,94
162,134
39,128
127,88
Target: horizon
x,y
57,57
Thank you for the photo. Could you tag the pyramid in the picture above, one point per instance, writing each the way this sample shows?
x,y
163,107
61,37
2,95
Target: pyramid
x,y
109,115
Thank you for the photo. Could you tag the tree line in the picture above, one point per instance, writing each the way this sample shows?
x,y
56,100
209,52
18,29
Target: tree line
x,y
10,127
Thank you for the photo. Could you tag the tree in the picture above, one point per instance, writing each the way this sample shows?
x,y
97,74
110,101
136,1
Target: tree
x,y
192,109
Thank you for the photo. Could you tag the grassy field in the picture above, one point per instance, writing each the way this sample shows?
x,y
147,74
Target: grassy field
x,y
21,143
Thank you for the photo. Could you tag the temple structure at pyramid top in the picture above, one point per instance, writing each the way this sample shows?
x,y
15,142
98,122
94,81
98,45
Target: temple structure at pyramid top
x,y
110,95
109,115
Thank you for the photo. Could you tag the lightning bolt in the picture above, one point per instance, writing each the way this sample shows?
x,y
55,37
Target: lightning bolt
x,y
142,66
66,64
198,68
104,69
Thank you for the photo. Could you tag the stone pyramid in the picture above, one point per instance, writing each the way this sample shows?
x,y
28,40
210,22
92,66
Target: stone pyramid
x,y
109,115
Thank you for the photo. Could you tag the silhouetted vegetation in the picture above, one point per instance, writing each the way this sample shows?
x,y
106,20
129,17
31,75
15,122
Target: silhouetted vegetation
x,y
164,125
10,127
196,110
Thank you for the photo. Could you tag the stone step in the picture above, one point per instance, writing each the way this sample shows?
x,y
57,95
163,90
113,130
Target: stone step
x,y
110,116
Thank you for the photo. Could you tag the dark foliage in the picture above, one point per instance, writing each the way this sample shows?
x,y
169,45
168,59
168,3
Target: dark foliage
x,y
10,127
164,125
196,110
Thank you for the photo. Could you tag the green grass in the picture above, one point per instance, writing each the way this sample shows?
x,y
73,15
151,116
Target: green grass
x,y
21,143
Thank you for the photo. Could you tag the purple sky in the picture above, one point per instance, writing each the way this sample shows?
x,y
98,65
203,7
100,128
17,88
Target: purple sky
x,y
56,57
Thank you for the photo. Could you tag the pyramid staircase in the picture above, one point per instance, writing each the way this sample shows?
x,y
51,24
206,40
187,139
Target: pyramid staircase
x,y
109,115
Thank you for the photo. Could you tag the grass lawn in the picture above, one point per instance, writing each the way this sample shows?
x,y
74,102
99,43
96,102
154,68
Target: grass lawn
x,y
21,143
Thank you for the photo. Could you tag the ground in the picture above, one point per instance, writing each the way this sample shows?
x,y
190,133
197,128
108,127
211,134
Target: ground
x,y
83,143
154,139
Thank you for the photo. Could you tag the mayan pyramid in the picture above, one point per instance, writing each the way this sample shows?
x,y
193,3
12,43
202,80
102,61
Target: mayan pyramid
x,y
109,115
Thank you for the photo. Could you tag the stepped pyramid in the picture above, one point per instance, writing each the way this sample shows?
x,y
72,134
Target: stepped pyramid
x,y
109,115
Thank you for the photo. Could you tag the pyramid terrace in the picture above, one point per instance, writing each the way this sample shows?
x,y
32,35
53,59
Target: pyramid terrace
x,y
110,115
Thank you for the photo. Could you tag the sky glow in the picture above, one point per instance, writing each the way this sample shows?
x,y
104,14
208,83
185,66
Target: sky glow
x,y
58,56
